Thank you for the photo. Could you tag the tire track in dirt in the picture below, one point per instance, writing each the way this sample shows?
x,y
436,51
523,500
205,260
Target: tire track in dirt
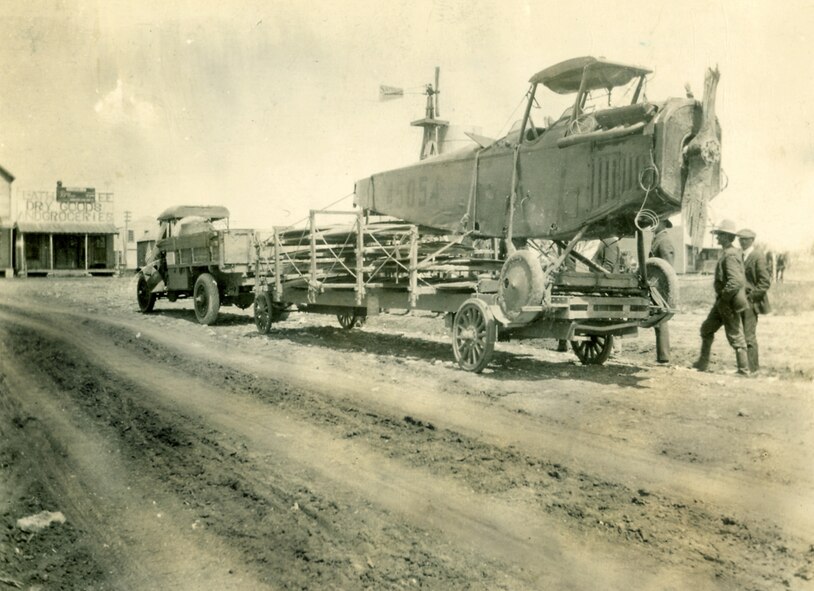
x,y
524,543
56,555
282,527
139,535
582,451
704,552
686,532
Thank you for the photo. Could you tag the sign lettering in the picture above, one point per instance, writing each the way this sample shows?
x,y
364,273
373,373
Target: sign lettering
x,y
44,206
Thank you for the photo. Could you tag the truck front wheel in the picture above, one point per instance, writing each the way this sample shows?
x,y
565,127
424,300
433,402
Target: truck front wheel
x,y
207,299
145,298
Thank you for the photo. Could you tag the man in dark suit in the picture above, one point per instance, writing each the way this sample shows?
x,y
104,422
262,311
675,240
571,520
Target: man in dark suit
x,y
730,301
662,248
758,282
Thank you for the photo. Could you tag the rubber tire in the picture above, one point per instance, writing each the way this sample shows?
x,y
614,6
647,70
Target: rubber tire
x,y
206,299
473,352
662,276
522,283
145,298
593,352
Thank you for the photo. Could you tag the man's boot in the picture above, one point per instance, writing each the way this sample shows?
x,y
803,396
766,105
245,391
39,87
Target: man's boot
x,y
742,357
754,364
702,364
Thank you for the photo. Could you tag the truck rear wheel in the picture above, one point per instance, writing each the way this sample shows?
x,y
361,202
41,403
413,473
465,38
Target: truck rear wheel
x,y
207,299
144,296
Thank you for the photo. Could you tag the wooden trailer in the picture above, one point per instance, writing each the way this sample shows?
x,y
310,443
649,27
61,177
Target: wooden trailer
x,y
373,265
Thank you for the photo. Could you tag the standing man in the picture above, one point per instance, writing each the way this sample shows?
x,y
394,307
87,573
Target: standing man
x,y
607,254
730,301
662,248
758,282
780,268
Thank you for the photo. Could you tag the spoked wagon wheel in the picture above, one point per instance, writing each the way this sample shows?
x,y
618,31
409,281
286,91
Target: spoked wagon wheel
x,y
262,313
207,299
267,312
350,319
595,350
145,298
473,335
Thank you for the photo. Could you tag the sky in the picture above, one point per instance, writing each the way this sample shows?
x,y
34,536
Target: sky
x,y
271,107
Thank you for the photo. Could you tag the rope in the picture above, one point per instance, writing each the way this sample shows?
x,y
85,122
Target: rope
x,y
647,218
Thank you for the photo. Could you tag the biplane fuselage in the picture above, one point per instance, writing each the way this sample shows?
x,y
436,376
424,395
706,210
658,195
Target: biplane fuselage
x,y
590,171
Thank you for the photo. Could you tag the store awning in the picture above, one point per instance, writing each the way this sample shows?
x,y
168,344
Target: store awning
x,y
66,228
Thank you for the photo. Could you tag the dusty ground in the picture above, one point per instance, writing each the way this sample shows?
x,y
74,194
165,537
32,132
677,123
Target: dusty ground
x,y
191,457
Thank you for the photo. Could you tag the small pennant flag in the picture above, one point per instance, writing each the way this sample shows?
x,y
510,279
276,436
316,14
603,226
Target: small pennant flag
x,y
387,93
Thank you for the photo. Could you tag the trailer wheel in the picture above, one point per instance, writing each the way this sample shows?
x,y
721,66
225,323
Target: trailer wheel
x,y
145,298
262,313
474,332
350,319
662,277
595,350
207,299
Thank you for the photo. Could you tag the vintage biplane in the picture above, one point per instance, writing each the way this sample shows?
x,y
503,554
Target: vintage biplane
x,y
590,172
613,163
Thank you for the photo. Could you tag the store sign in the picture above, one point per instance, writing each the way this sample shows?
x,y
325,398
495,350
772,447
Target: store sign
x,y
75,194
44,206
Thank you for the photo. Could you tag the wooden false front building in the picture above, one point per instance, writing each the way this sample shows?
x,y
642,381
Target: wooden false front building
x,y
69,232
63,249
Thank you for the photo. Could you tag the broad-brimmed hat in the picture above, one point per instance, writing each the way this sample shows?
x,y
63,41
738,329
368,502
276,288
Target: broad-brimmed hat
x,y
746,233
726,227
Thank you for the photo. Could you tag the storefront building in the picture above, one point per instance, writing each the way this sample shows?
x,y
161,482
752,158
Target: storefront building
x,y
69,231
6,225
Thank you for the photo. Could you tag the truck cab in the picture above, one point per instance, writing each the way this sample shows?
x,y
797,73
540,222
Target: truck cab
x,y
197,255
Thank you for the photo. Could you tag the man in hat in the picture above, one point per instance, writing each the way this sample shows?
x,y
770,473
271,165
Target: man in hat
x,y
662,248
730,301
607,254
758,282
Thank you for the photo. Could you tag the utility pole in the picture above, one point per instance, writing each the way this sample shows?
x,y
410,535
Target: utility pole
x,y
126,241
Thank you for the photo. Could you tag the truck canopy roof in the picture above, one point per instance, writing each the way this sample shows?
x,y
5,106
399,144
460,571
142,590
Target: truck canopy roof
x,y
209,212
566,77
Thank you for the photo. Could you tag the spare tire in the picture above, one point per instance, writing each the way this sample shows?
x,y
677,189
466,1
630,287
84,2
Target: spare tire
x,y
522,284
662,277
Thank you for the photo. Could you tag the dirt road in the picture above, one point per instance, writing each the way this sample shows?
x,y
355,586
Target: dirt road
x,y
191,457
